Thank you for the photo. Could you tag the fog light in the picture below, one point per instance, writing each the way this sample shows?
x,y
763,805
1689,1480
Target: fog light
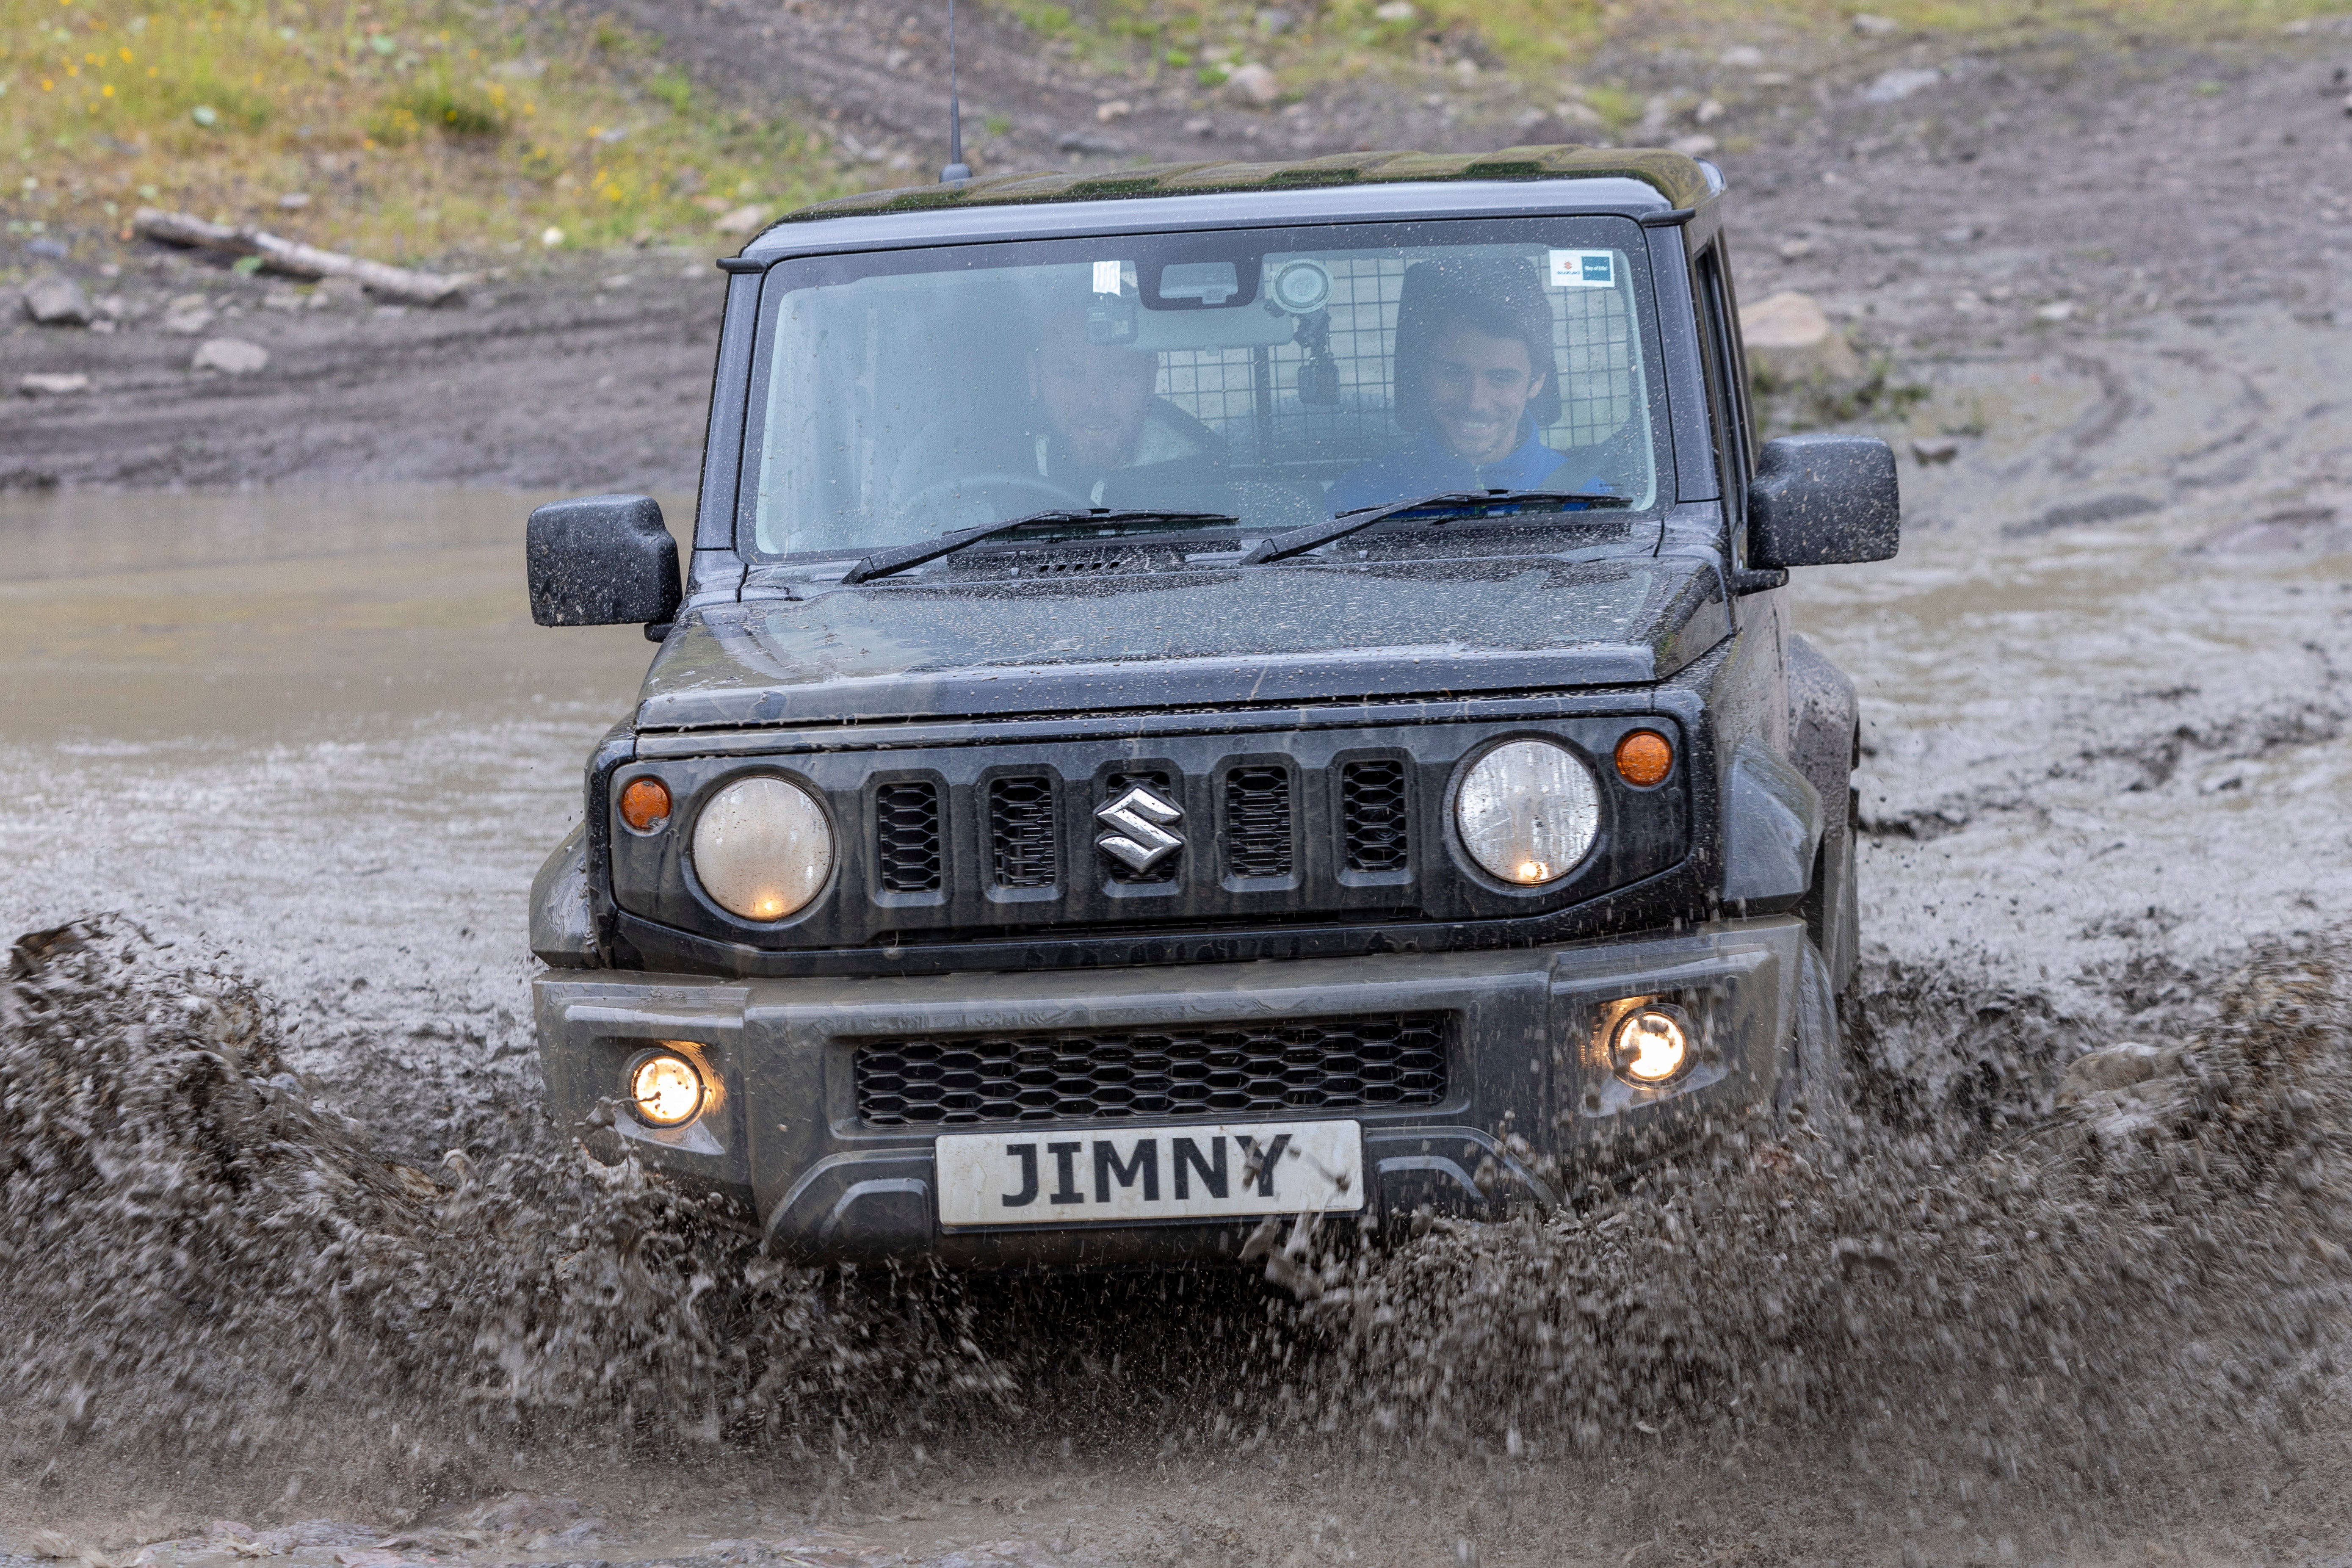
x,y
666,1089
1652,1045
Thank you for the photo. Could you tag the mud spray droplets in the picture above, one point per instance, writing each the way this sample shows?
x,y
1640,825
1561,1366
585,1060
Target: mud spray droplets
x,y
231,1281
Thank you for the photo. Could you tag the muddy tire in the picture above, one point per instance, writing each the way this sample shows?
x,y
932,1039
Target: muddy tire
x,y
1817,1091
1833,908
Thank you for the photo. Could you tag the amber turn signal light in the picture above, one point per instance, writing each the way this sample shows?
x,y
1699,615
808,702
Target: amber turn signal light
x,y
645,803
1644,757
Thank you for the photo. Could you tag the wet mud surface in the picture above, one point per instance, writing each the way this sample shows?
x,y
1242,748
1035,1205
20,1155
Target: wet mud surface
x,y
583,375
2105,792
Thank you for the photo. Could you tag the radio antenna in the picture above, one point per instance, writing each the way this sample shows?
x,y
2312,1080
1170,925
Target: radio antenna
x,y
956,170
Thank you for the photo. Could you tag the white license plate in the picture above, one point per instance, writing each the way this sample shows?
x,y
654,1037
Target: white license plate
x,y
1039,1176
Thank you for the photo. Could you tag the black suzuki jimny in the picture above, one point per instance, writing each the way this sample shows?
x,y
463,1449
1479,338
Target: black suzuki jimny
x,y
1206,693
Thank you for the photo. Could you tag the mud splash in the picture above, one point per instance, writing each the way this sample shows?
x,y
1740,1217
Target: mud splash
x,y
216,1274
2145,1287
232,1282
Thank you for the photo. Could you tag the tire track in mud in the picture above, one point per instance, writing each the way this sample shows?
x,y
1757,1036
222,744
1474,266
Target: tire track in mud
x,y
2180,725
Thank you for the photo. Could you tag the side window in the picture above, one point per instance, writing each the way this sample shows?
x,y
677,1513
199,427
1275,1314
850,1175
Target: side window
x,y
1726,388
1725,304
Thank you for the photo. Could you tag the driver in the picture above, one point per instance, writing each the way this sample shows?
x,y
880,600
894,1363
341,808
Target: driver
x,y
1475,382
1090,428
1094,414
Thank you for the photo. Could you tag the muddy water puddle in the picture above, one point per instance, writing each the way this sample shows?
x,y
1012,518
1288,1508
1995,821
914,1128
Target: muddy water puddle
x,y
2104,725
2104,687
272,611
315,735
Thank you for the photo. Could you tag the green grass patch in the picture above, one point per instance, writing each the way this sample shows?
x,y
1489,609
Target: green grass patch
x,y
671,88
1613,104
204,100
1052,21
440,106
410,126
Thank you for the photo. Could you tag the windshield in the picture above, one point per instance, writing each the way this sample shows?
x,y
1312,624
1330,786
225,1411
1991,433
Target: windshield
x,y
1272,376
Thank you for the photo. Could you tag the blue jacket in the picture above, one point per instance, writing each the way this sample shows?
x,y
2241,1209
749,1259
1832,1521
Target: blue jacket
x,y
1426,466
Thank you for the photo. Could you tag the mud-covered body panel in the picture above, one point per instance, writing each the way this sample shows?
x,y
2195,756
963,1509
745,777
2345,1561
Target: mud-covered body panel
x,y
1231,638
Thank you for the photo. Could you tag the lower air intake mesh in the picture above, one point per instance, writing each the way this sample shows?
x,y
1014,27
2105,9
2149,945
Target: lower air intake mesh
x,y
1231,1071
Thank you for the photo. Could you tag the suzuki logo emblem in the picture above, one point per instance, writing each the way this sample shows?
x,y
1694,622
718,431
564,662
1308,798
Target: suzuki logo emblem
x,y
1139,836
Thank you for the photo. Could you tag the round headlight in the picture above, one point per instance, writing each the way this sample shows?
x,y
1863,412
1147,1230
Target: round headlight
x,y
1527,812
762,848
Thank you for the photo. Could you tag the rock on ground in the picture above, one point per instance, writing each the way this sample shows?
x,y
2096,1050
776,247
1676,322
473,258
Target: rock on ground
x,y
2116,1067
743,222
40,385
1789,335
54,301
1893,87
188,315
1254,85
232,356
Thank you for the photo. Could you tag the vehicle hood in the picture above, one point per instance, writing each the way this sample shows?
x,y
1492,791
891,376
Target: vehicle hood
x,y
1185,639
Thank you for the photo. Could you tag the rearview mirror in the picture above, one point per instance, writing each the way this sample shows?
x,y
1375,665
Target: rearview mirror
x,y
1817,501
602,561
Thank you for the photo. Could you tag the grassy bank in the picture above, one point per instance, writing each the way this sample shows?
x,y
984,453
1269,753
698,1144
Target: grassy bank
x,y
395,128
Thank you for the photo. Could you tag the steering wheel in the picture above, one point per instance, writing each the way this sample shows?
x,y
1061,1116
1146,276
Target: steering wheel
x,y
1056,498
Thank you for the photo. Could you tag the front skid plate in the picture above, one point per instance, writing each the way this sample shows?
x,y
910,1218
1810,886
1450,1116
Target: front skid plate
x,y
1528,1093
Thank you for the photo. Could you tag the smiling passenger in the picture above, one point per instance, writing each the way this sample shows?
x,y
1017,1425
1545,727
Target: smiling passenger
x,y
1475,382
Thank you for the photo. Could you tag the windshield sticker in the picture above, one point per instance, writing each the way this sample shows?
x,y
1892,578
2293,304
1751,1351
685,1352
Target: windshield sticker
x,y
1106,275
1583,268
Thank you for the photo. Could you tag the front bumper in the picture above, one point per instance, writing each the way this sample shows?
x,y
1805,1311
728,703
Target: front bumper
x,y
1528,1099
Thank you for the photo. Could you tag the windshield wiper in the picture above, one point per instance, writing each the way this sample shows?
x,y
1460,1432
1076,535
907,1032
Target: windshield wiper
x,y
1433,508
883,562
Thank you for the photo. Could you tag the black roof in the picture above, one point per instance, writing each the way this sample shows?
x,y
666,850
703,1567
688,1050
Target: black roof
x,y
1679,180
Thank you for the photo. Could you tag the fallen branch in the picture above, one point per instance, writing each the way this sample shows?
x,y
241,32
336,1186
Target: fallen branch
x,y
298,260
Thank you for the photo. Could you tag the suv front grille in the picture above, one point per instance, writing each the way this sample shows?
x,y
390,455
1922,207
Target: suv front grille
x,y
907,838
1225,1071
1257,822
1372,811
1021,832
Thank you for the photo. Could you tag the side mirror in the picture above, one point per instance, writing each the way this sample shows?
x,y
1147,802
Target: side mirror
x,y
1819,500
602,561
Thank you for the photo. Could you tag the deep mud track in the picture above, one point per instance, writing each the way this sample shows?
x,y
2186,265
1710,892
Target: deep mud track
x,y
2106,783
